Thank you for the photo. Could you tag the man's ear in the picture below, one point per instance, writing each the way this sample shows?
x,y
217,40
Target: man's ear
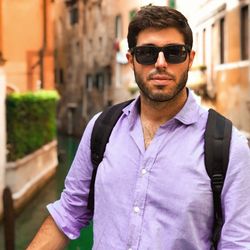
x,y
191,58
130,59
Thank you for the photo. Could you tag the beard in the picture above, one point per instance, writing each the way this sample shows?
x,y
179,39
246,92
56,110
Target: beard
x,y
161,96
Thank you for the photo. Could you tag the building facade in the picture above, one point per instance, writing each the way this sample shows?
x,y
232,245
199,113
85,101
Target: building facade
x,y
27,44
83,60
221,40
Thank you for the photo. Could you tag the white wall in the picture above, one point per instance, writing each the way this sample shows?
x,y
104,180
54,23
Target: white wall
x,y
2,135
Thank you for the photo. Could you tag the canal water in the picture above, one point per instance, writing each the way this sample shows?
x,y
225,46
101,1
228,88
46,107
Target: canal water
x,y
29,220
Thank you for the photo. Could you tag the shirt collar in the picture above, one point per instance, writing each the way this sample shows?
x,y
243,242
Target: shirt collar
x,y
132,110
188,115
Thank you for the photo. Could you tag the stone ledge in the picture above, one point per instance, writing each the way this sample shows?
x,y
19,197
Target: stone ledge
x,y
26,176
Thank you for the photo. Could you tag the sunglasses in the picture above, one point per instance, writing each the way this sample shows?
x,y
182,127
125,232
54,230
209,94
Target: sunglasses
x,y
148,54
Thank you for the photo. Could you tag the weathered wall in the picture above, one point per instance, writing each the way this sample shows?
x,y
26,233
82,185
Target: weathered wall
x,y
228,80
23,38
232,79
84,53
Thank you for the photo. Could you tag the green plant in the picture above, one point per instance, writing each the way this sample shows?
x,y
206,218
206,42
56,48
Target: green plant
x,y
31,121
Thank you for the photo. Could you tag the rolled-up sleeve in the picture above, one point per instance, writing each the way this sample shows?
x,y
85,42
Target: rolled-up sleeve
x,y
70,211
236,197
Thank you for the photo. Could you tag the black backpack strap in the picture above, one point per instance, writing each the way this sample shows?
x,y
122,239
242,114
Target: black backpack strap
x,y
99,138
217,145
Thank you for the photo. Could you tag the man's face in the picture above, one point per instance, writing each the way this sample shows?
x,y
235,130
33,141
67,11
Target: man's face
x,y
161,81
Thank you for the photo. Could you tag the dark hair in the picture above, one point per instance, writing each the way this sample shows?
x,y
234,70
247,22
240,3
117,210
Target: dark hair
x,y
158,17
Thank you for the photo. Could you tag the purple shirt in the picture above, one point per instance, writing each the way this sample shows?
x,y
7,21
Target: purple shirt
x,y
159,198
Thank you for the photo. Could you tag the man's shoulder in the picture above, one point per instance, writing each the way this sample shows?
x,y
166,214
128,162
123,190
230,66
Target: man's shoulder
x,y
239,138
239,148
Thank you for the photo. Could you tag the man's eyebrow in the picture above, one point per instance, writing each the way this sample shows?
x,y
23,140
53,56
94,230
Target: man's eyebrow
x,y
147,44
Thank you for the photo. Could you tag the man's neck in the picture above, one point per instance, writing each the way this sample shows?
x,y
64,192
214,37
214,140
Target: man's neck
x,y
154,114
160,112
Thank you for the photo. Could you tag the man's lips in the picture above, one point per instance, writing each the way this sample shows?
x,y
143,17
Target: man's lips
x,y
161,77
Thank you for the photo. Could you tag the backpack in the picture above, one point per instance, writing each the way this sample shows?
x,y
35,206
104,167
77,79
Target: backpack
x,y
217,144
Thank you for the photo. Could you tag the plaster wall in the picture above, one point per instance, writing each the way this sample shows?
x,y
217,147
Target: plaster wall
x,y
22,40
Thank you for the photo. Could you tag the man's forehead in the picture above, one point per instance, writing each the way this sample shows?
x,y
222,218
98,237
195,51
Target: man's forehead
x,y
160,37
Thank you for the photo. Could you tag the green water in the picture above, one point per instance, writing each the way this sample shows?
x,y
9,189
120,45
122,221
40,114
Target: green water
x,y
29,220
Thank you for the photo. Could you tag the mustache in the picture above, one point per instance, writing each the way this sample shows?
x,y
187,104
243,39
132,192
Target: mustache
x,y
161,73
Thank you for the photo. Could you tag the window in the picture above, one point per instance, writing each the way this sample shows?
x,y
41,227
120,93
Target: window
x,y
99,84
213,43
222,40
89,82
61,76
118,26
69,2
244,16
73,13
204,46
109,77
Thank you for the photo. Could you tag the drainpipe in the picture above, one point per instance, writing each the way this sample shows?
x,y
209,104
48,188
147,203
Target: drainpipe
x,y
44,45
2,116
3,134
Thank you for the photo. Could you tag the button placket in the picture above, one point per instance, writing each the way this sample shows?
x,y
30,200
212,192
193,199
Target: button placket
x,y
139,202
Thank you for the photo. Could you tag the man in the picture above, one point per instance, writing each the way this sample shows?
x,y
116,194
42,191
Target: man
x,y
152,190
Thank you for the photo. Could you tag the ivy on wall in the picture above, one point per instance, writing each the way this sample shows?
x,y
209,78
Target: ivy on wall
x,y
31,121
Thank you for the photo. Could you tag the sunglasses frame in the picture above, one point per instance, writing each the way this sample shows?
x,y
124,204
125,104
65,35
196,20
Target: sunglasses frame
x,y
156,50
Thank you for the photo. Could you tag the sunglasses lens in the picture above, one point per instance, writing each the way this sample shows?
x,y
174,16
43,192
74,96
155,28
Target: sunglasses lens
x,y
148,55
175,53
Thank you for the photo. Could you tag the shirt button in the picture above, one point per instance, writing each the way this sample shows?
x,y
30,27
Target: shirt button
x,y
136,209
144,171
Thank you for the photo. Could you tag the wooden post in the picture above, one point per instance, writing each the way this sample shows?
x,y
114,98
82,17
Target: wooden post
x,y
8,219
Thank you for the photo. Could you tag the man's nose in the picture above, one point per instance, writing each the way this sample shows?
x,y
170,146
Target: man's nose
x,y
161,61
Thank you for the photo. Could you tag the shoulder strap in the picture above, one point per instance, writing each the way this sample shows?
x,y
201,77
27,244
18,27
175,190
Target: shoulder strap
x,y
99,138
217,145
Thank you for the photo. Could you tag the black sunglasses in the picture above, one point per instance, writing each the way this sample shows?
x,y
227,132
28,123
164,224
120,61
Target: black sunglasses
x,y
173,53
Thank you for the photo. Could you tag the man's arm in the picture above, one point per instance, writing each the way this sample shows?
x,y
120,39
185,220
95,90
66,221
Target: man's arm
x,y
49,237
236,197
72,205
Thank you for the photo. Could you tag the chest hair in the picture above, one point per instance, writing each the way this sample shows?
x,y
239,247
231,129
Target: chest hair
x,y
149,131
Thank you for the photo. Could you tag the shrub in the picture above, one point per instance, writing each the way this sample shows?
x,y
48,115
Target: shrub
x,y
31,121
